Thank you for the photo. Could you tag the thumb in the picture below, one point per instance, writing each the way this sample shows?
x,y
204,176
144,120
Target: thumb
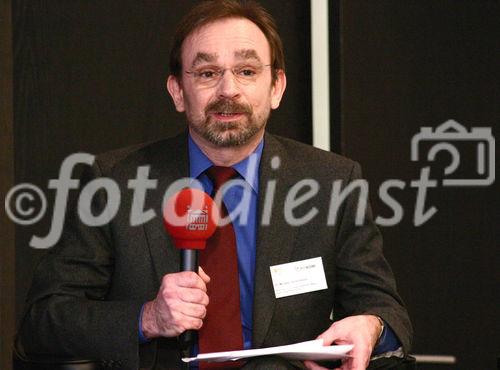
x,y
203,275
331,335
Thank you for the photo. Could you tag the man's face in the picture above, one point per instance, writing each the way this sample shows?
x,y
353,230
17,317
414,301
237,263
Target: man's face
x,y
224,108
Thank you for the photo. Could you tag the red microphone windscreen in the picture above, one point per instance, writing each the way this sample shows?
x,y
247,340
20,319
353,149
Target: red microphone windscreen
x,y
190,218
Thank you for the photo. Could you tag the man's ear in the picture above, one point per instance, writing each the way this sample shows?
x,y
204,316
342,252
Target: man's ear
x,y
175,90
278,88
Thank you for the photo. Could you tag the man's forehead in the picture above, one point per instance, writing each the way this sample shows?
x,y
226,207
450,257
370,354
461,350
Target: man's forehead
x,y
236,38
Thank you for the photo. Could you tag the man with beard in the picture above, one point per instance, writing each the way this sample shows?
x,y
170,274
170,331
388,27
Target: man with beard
x,y
115,292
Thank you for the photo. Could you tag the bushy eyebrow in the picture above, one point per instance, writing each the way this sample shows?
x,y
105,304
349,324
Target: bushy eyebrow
x,y
243,54
246,54
204,57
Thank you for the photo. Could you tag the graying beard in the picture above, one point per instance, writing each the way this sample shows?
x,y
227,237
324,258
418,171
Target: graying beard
x,y
233,139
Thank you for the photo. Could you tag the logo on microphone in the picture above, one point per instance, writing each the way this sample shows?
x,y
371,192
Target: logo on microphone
x,y
197,219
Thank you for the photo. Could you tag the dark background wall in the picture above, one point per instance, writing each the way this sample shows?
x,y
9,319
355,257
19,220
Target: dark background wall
x,y
7,247
408,64
89,76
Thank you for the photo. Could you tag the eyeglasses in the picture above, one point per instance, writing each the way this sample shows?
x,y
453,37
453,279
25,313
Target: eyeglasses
x,y
210,76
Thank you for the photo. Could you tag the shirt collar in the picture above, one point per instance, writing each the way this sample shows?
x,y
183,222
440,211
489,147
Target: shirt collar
x,y
248,168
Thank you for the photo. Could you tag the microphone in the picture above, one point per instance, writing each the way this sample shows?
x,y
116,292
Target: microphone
x,y
190,217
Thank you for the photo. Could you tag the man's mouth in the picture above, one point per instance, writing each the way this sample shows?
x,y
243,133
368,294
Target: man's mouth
x,y
227,116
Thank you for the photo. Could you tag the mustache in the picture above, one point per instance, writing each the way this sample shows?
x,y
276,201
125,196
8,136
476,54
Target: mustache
x,y
228,106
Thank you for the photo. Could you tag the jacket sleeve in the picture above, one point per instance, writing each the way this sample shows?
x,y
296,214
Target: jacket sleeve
x,y
364,280
67,312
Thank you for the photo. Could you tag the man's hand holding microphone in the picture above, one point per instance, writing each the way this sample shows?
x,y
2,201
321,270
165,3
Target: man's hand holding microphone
x,y
190,217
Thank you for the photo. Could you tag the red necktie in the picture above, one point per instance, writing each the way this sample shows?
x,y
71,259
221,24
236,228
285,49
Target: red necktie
x,y
221,330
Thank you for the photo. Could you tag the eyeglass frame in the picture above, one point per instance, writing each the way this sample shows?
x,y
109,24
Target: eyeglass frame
x,y
221,71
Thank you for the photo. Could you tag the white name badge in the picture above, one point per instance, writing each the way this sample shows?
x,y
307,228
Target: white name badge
x,y
298,277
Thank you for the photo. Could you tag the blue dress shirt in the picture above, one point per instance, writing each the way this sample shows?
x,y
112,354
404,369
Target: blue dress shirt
x,y
241,202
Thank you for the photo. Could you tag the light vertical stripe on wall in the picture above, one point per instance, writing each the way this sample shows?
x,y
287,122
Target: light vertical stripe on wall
x,y
320,74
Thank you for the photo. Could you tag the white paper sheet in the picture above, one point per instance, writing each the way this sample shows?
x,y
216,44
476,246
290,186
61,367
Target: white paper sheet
x,y
310,350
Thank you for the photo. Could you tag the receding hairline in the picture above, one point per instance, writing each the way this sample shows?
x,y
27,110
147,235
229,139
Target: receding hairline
x,y
244,53
208,12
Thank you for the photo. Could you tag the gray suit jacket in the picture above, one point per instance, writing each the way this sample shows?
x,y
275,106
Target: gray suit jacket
x,y
88,290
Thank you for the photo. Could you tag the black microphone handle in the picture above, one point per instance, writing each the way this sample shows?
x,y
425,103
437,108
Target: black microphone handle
x,y
189,262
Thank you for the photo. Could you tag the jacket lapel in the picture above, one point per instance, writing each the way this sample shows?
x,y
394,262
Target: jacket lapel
x,y
169,162
275,240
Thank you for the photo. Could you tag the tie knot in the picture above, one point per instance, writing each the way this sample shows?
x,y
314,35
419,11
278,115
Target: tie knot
x,y
220,175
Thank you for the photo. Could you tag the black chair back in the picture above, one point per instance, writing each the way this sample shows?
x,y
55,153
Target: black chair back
x,y
20,362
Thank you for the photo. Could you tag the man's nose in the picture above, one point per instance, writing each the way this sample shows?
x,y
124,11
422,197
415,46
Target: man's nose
x,y
228,86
